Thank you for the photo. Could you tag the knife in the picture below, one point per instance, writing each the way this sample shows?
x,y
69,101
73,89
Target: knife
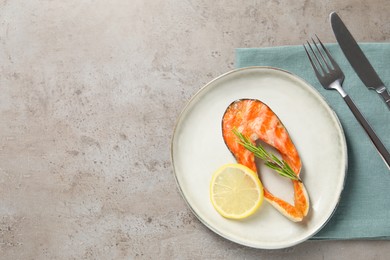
x,y
357,59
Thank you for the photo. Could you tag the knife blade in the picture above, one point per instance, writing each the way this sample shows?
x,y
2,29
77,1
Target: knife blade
x,y
357,59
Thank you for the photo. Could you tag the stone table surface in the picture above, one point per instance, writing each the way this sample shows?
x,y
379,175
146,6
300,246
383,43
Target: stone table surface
x,y
90,91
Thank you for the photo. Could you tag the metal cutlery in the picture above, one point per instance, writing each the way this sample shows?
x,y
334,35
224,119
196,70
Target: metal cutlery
x,y
357,59
331,77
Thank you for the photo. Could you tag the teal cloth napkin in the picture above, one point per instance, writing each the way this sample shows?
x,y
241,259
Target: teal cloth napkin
x,y
364,208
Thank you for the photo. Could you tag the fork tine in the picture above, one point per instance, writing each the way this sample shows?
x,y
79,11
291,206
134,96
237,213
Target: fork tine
x,y
312,62
334,64
321,54
316,64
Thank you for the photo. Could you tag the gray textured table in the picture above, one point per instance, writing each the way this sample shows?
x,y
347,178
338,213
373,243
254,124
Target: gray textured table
x,y
89,95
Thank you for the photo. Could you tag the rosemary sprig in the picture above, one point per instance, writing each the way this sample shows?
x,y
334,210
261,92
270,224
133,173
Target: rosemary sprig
x,y
271,161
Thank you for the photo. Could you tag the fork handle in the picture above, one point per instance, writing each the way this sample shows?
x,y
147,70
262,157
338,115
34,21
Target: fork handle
x,y
374,138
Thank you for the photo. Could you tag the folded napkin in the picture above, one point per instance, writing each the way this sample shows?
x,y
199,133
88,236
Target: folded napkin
x,y
364,208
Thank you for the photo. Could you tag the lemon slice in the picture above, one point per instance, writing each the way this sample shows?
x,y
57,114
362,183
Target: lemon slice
x,y
236,191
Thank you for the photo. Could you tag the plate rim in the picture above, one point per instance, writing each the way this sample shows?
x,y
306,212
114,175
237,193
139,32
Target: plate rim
x,y
314,92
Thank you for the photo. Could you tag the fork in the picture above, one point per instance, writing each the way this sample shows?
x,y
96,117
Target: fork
x,y
331,77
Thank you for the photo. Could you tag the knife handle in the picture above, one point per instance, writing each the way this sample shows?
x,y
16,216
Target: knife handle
x,y
385,94
374,138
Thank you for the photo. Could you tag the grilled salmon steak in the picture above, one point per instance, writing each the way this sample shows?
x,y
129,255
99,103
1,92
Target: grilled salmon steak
x,y
256,120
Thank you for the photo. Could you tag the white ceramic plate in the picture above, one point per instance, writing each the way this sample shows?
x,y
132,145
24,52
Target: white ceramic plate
x,y
198,150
